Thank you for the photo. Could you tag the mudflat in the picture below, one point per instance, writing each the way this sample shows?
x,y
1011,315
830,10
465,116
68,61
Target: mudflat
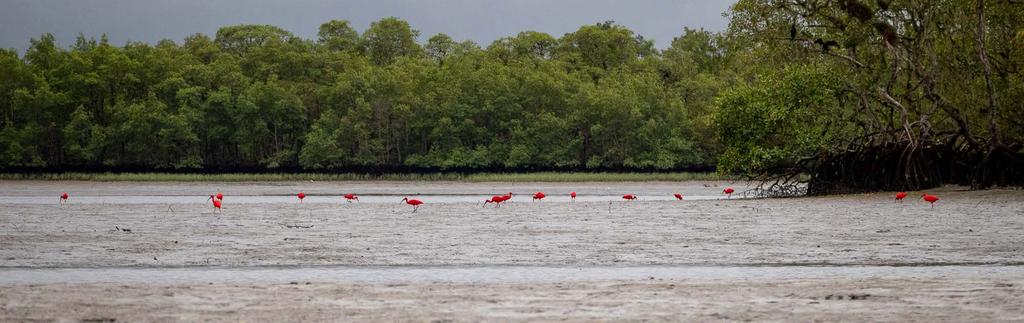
x,y
787,300
171,225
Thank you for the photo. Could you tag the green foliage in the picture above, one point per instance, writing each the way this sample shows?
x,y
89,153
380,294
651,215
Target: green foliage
x,y
336,35
788,80
310,176
147,134
83,140
783,117
390,38
603,46
258,96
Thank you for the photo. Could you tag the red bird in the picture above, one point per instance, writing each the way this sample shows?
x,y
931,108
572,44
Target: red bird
x,y
216,203
220,196
415,203
64,198
629,197
572,196
349,197
301,196
930,199
498,199
678,196
728,191
900,196
539,196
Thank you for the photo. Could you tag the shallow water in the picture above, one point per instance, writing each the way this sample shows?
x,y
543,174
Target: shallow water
x,y
329,199
262,224
493,274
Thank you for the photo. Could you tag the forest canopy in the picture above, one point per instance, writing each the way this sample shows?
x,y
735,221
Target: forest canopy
x,y
874,94
258,96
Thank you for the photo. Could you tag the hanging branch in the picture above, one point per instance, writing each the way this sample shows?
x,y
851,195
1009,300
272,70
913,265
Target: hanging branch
x,y
983,55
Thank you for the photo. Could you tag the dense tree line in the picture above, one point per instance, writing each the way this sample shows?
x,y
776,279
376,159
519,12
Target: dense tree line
x,y
258,96
878,94
859,94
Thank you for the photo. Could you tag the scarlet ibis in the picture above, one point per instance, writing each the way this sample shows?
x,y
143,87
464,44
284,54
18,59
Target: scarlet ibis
x,y
415,203
539,196
301,196
629,197
572,196
930,199
728,191
350,197
220,196
900,196
63,198
678,196
497,199
216,203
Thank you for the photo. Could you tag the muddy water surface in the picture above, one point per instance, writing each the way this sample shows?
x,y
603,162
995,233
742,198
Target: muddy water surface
x,y
148,251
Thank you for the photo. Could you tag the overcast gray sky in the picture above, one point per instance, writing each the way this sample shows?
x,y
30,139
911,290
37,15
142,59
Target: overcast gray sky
x,y
479,20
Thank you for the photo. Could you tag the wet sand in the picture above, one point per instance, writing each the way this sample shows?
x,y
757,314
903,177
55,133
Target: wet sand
x,y
815,300
965,227
178,229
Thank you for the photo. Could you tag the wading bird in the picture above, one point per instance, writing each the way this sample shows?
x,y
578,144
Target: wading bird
x,y
629,197
301,196
63,198
900,196
350,197
572,196
930,199
415,203
678,196
497,199
216,203
728,191
539,196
